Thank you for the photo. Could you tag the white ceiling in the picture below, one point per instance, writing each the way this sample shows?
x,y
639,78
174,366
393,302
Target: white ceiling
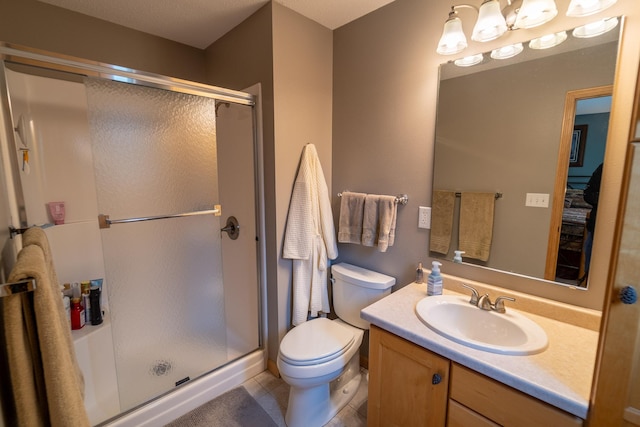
x,y
199,23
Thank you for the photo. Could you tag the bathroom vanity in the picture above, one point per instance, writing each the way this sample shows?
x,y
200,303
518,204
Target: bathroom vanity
x,y
419,377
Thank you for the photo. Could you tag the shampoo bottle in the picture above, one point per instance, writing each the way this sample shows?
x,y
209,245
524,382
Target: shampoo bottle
x,y
434,281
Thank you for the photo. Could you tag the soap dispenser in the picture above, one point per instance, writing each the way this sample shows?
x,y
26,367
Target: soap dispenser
x,y
458,257
434,281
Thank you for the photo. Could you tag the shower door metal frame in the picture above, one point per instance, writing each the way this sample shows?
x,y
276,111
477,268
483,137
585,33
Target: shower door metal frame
x,y
25,56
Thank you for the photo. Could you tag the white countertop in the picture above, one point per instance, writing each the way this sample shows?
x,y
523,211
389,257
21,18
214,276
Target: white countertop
x,y
561,375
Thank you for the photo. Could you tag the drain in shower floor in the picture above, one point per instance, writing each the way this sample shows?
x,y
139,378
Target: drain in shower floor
x,y
160,368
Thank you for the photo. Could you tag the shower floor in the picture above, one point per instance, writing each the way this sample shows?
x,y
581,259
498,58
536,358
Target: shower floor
x,y
146,376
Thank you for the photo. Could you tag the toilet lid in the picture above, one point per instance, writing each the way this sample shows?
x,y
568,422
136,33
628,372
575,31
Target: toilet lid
x,y
315,341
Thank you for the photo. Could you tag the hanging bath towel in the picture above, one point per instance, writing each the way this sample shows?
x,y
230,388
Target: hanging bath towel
x,y
46,382
351,214
442,221
476,224
310,238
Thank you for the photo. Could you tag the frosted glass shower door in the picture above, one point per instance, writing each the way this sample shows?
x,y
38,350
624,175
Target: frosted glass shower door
x,y
155,154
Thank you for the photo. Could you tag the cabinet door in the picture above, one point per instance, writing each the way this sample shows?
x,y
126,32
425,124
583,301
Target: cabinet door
x,y
616,393
408,385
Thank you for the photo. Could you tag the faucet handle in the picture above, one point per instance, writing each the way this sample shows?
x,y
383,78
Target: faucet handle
x,y
499,304
484,302
475,296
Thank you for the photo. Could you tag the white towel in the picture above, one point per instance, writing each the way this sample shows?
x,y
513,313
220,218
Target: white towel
x,y
310,239
351,215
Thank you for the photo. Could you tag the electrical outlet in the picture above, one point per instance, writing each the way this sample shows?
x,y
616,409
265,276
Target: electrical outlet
x,y
537,200
424,217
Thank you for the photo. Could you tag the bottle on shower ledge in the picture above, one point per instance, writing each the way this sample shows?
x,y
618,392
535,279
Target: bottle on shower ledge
x,y
77,314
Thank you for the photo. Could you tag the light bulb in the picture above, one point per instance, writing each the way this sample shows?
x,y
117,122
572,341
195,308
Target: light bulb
x,y
596,28
453,39
468,61
579,8
506,52
549,40
490,24
534,13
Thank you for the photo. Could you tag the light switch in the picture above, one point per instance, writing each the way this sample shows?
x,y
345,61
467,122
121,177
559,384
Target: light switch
x,y
537,200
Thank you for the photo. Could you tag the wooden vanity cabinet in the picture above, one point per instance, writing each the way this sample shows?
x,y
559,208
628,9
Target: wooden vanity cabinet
x,y
402,392
497,404
401,383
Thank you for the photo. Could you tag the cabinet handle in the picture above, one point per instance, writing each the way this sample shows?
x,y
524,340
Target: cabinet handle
x,y
436,379
628,295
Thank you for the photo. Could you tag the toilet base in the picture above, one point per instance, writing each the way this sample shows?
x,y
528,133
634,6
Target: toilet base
x,y
316,406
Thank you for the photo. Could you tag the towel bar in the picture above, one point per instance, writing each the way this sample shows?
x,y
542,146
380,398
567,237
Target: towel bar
x,y
26,285
402,199
13,231
105,222
498,195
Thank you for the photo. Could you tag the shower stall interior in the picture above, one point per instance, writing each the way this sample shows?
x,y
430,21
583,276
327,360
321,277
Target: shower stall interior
x,y
160,180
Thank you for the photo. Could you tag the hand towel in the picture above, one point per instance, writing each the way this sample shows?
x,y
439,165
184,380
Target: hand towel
x,y
46,380
351,215
442,220
370,220
476,224
387,211
310,238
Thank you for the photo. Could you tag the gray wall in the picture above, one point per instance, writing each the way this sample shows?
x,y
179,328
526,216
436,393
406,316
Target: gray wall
x,y
385,85
43,26
291,56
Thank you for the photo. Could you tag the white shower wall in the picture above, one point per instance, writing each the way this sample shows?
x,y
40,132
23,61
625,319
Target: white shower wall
x,y
61,169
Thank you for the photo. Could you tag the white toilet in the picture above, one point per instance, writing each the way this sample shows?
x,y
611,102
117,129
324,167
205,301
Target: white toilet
x,y
319,359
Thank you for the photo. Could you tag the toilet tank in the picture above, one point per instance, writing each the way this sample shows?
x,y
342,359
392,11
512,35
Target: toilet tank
x,y
354,288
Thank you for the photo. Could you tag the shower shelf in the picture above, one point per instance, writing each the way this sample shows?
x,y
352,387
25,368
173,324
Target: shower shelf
x,y
89,329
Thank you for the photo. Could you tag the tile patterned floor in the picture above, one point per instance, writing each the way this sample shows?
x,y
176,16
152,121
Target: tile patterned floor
x,y
273,395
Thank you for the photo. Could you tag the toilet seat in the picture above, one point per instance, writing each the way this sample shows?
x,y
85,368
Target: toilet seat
x,y
315,341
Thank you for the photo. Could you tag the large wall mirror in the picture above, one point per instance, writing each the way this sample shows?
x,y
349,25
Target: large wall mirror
x,y
531,130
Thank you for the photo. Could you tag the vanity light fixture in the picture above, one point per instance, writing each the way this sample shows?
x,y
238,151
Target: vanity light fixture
x,y
578,8
453,39
549,40
490,24
493,22
534,13
469,61
594,29
506,52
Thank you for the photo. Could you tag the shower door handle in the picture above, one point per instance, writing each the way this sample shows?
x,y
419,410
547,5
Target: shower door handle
x,y
232,228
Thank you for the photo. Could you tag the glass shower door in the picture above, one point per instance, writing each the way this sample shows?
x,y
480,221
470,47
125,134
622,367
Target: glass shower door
x,y
154,155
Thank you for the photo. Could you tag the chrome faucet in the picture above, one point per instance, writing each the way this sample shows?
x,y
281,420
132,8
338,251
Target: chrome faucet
x,y
499,304
474,295
484,303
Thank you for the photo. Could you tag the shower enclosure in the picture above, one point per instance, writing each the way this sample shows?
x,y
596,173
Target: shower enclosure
x,y
161,184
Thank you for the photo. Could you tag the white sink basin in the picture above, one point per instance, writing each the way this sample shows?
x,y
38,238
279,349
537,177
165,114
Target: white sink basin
x,y
507,333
